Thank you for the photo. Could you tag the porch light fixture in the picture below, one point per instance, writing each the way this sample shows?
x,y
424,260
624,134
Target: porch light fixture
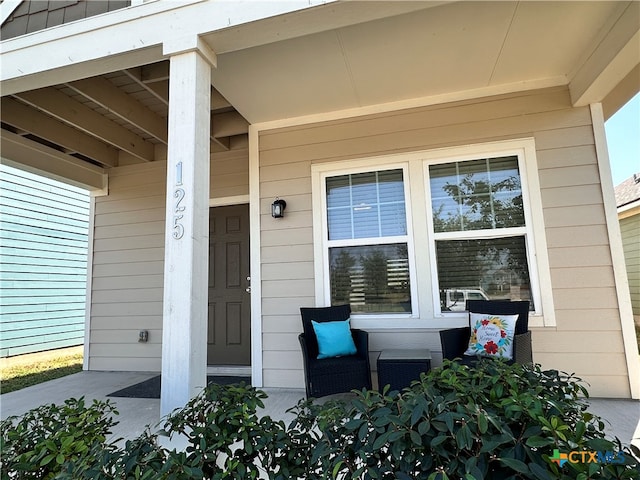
x,y
277,208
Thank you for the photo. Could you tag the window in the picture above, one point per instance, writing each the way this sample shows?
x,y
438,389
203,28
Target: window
x,y
407,239
479,231
367,241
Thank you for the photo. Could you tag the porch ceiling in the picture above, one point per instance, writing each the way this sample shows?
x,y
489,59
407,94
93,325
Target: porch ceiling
x,y
333,57
450,49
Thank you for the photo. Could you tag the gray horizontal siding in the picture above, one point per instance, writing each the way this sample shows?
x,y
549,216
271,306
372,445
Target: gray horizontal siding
x,y
582,280
43,256
128,259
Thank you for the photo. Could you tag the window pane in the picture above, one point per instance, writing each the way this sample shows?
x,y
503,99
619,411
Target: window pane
x,y
476,195
363,188
390,186
340,223
372,278
366,205
338,191
393,220
482,269
365,221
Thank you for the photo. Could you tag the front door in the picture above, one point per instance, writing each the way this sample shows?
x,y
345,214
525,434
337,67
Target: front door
x,y
229,328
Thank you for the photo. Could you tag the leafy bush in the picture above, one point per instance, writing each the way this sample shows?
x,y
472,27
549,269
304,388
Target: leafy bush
x,y
38,444
490,422
493,421
227,439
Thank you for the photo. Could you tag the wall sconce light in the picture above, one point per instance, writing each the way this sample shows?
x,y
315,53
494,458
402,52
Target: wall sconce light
x,y
277,208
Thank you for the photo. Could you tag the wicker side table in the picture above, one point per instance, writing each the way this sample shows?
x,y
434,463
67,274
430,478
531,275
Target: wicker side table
x,y
398,368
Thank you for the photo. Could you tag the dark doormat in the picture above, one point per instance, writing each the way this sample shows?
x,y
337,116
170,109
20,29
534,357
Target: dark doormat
x,y
151,388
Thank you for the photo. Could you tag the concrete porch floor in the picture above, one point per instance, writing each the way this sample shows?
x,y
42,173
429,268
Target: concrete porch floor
x,y
622,417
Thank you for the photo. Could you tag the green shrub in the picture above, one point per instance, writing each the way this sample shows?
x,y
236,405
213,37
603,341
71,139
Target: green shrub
x,y
493,421
227,439
140,459
40,443
490,422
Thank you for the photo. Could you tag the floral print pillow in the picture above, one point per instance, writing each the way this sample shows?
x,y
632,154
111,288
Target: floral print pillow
x,y
492,335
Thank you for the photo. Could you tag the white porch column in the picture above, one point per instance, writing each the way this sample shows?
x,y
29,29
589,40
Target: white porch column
x,y
184,335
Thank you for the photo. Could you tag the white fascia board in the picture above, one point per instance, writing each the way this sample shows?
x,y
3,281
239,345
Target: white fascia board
x,y
122,38
617,54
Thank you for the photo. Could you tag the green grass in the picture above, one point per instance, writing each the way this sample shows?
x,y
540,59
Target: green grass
x,y
19,376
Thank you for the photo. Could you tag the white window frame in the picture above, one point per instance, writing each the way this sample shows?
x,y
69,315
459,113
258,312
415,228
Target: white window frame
x,y
535,243
522,231
426,311
320,173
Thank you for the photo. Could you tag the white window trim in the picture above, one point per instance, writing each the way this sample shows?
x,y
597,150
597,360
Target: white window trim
x,y
323,289
426,308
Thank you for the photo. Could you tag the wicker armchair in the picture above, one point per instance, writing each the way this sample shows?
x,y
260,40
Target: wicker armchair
x,y
454,341
333,375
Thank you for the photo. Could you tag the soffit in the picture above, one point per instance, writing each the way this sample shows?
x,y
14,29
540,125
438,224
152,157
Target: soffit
x,y
448,48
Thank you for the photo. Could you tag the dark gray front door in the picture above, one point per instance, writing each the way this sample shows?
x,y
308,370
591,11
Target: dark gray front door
x,y
229,329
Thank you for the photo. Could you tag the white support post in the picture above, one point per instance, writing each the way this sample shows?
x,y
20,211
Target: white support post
x,y
617,253
184,335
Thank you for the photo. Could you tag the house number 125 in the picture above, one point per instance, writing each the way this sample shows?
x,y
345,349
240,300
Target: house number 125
x,y
178,194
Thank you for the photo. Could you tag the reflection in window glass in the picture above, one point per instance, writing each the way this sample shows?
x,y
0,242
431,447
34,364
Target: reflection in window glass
x,y
372,278
366,205
476,195
482,269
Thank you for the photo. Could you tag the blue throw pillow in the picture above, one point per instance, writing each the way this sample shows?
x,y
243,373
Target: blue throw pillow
x,y
334,339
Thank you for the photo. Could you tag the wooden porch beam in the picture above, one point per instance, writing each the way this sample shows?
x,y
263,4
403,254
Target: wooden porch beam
x,y
110,97
59,105
156,72
220,144
43,160
155,79
218,102
160,90
228,124
33,121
